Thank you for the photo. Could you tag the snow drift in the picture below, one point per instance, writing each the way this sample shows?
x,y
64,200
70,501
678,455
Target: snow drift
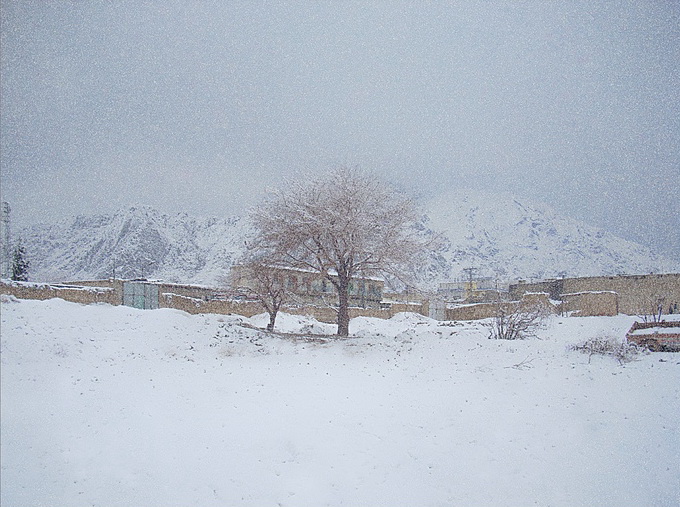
x,y
107,405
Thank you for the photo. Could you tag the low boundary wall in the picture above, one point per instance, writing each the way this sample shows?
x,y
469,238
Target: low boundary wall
x,y
591,304
637,294
480,311
250,308
111,292
73,293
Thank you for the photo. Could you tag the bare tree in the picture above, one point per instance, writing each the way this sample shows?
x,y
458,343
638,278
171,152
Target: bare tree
x,y
264,282
651,308
343,225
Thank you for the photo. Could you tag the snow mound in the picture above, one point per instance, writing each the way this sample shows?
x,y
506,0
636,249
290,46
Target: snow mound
x,y
294,324
105,405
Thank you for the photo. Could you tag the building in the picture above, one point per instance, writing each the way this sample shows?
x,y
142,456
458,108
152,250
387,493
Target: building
x,y
474,290
312,288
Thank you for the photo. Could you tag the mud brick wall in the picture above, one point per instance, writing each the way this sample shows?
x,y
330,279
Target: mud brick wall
x,y
487,310
637,294
471,312
590,304
84,295
195,305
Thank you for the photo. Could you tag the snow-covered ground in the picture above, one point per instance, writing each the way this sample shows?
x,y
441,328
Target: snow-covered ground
x,y
112,406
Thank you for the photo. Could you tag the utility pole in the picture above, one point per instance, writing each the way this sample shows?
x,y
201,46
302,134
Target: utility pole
x,y
6,267
470,272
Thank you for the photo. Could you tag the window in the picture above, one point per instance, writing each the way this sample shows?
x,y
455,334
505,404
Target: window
x,y
292,283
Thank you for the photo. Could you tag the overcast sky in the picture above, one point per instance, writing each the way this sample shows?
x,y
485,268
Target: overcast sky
x,y
191,106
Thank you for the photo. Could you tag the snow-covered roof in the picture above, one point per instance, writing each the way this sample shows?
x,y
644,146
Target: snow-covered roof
x,y
656,330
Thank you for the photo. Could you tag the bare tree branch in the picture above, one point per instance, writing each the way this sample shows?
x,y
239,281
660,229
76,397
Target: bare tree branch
x,y
345,225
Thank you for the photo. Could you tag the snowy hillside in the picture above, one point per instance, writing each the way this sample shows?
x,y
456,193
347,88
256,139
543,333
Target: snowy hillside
x,y
110,405
506,239
496,234
135,242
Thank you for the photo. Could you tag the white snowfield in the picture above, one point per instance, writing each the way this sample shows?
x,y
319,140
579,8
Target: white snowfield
x,y
112,406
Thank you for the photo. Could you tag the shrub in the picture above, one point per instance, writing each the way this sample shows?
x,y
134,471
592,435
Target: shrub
x,y
516,321
602,345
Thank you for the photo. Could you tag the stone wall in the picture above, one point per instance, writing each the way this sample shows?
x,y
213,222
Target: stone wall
x,y
329,315
554,289
471,312
488,310
196,305
190,291
75,294
191,299
637,294
112,283
590,304
250,308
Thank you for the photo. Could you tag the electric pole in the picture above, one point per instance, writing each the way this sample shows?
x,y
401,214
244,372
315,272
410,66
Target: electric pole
x,y
470,272
6,267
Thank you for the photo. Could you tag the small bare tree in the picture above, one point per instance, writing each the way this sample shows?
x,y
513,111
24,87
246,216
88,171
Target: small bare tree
x,y
515,320
264,283
343,225
651,308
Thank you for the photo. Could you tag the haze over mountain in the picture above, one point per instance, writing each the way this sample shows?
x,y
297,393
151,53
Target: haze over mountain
x,y
502,237
495,234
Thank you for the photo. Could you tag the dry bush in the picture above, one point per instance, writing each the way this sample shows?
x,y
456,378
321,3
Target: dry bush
x,y
603,345
516,321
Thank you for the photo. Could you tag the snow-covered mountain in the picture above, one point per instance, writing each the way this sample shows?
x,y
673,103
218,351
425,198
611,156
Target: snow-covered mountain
x,y
139,241
496,234
507,239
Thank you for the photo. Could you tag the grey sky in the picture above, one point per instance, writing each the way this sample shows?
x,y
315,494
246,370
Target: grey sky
x,y
189,106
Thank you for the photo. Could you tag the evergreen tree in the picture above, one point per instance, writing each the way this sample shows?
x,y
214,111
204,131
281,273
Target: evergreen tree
x,y
20,264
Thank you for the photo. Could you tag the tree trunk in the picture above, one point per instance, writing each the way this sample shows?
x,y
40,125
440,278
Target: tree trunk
x,y
343,307
272,320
